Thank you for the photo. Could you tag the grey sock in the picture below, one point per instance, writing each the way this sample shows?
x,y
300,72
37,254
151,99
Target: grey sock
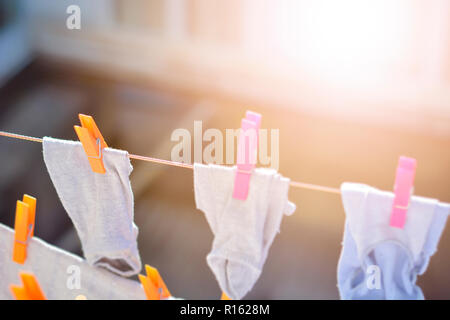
x,y
62,275
100,205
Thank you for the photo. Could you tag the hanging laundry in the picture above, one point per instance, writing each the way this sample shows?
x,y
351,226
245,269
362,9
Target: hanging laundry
x,y
62,275
379,261
100,205
243,230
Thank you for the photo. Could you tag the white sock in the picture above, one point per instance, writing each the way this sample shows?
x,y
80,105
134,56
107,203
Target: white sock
x,y
243,230
100,205
379,261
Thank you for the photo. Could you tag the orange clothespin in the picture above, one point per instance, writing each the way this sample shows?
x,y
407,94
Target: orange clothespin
x,y
30,290
154,286
225,297
92,141
24,227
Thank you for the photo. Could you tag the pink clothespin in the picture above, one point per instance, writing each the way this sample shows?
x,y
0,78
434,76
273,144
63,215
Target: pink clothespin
x,y
247,153
256,118
404,181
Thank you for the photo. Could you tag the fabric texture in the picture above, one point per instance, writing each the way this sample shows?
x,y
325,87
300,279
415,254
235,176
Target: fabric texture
x,y
243,230
61,275
379,261
101,206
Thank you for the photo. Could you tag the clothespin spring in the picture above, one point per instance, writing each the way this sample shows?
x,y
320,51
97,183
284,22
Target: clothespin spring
x,y
99,150
30,231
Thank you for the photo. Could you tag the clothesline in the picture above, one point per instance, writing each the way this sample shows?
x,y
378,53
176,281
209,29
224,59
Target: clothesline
x,y
294,184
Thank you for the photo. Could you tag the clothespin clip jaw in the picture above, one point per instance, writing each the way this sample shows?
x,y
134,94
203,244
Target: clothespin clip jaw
x,y
23,227
247,154
403,188
154,286
30,290
224,296
92,141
